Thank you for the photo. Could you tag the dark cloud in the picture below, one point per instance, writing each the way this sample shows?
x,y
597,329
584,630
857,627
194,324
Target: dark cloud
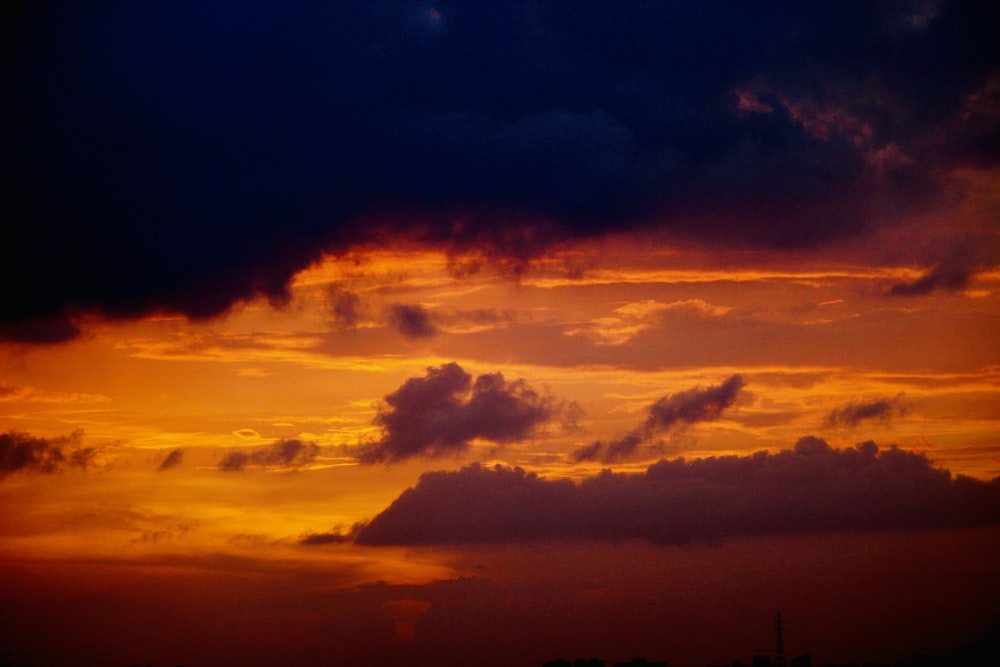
x,y
21,452
172,460
677,410
811,488
443,411
336,536
286,453
955,272
412,321
881,409
181,157
346,307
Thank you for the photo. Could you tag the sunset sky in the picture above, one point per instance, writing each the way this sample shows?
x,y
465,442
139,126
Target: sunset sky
x,y
448,333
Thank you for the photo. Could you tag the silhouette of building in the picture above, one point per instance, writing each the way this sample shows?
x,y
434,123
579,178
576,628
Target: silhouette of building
x,y
557,663
592,662
804,660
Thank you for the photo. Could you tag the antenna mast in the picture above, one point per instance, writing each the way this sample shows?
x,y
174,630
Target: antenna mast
x,y
779,645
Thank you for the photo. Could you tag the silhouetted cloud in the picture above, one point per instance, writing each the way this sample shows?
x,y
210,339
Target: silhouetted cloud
x,y
413,321
287,452
336,536
680,409
21,452
854,413
345,307
953,273
172,460
811,488
443,411
513,130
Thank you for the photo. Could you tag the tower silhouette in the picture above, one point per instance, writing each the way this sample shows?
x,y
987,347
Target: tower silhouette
x,y
779,643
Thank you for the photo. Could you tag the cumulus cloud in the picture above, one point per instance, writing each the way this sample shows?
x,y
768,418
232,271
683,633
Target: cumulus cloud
x,y
813,487
261,158
284,453
21,452
442,412
881,409
411,320
670,412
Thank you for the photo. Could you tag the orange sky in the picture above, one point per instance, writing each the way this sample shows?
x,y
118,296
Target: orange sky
x,y
809,338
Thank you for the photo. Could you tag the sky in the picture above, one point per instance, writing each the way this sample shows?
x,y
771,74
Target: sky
x,y
430,333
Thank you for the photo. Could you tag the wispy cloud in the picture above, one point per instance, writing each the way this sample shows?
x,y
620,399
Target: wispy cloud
x,y
676,410
21,452
284,453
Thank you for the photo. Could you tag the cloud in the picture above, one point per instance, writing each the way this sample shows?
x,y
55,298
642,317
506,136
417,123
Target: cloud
x,y
346,307
413,321
954,273
284,453
677,410
172,460
808,489
442,412
218,186
21,452
852,414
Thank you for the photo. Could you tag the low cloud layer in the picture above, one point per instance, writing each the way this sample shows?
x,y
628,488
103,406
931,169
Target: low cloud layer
x,y
670,412
810,488
284,453
442,412
21,452
878,409
500,131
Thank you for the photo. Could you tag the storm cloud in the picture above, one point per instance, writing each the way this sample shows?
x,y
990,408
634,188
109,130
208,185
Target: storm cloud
x,y
21,452
670,412
182,157
808,489
284,453
442,412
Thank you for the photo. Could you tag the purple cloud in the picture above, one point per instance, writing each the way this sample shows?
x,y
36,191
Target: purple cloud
x,y
810,488
677,410
443,411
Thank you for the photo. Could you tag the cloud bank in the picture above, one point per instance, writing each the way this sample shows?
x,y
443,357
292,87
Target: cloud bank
x,y
209,151
670,412
442,412
810,488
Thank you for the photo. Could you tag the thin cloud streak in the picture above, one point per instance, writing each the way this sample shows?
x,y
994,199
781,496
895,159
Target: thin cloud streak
x,y
670,412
